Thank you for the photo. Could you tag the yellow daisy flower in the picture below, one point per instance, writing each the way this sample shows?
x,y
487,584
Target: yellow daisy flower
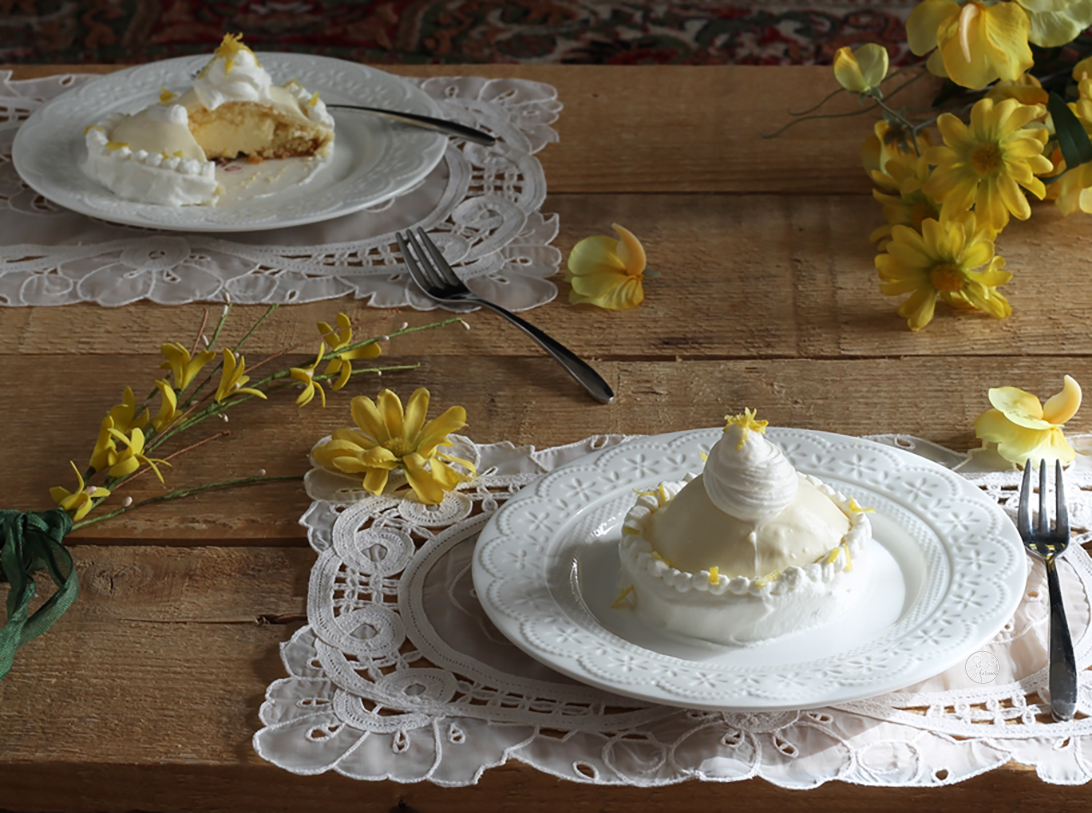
x,y
909,205
608,272
77,503
232,380
986,164
1025,429
341,337
863,70
307,376
388,438
183,367
973,44
940,262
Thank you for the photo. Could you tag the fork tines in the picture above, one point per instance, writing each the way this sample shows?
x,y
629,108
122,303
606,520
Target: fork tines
x,y
1061,511
427,265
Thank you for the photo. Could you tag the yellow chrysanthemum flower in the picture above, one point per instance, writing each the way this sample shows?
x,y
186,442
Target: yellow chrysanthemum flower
x,y
183,367
168,408
343,337
608,272
388,438
940,262
132,457
863,70
1025,429
975,43
986,164
77,503
909,205
307,376
232,380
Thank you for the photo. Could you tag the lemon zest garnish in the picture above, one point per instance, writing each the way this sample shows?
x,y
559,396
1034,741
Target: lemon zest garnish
x,y
90,127
178,154
662,494
704,456
849,559
116,145
629,531
166,95
313,100
769,577
833,555
621,597
746,422
714,575
856,508
656,555
231,45
292,81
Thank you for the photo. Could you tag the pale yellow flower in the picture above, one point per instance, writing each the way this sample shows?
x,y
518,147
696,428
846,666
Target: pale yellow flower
x,y
909,205
1025,429
975,43
890,141
863,70
940,262
168,408
132,456
183,367
307,376
341,337
78,503
608,272
986,164
232,380
1027,89
388,438
105,453
1052,23
1072,191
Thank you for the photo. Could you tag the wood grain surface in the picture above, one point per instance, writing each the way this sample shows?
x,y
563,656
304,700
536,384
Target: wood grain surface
x,y
146,694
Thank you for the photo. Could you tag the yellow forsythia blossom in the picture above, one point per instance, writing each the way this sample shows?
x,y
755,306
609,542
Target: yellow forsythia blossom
x,y
79,502
168,408
232,380
183,367
1025,429
307,376
608,272
341,337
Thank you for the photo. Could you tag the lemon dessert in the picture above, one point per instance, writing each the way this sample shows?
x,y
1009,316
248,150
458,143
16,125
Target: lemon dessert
x,y
747,551
165,153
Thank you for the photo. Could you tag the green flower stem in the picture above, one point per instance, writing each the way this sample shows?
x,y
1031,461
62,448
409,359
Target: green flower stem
x,y
223,320
185,492
256,325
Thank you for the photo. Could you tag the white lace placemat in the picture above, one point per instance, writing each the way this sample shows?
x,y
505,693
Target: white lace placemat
x,y
481,206
399,674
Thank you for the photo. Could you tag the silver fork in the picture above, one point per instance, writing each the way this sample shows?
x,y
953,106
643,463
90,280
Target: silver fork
x,y
1048,545
436,278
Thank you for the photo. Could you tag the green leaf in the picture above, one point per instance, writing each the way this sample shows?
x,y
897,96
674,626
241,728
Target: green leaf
x,y
1076,148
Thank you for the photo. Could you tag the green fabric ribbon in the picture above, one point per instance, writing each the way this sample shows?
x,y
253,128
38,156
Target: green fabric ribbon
x,y
32,541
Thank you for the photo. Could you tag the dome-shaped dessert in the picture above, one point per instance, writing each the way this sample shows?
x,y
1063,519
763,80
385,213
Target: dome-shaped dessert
x,y
748,550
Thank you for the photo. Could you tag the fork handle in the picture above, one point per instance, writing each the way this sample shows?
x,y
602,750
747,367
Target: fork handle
x,y
1063,664
588,378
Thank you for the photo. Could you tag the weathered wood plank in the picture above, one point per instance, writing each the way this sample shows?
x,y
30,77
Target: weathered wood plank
x,y
521,400
685,129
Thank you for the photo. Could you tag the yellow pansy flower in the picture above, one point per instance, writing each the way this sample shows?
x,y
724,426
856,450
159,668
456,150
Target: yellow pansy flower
x,y
232,380
79,502
985,164
168,408
975,43
183,367
863,70
909,205
1025,429
939,263
132,456
307,376
388,438
608,272
124,414
343,337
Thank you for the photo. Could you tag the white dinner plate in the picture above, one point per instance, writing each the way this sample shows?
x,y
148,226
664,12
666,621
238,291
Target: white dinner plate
x,y
374,158
949,571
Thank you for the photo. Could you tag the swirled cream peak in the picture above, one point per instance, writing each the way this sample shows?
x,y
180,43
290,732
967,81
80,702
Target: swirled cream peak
x,y
746,476
233,75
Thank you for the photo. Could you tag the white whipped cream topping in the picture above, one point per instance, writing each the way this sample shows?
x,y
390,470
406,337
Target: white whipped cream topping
x,y
244,81
752,482
167,114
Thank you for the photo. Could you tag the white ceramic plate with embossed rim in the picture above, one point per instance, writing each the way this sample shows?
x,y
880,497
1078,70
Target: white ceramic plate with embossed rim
x,y
374,159
948,573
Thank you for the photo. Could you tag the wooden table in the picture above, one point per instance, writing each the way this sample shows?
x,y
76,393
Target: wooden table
x,y
146,694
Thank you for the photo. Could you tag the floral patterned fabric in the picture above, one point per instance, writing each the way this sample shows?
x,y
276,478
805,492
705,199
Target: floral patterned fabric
x,y
620,32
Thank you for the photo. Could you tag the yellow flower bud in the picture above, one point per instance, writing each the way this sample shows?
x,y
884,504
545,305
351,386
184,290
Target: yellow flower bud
x,y
863,70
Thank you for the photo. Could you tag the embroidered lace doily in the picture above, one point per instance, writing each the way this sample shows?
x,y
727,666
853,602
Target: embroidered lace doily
x,y
399,675
480,205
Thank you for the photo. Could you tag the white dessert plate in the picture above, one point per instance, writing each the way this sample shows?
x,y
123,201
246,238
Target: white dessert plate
x,y
948,573
374,158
